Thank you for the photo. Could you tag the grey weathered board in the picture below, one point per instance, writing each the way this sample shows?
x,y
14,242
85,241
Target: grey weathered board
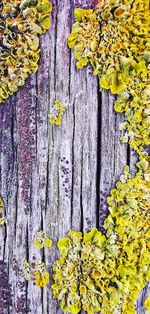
x,y
55,178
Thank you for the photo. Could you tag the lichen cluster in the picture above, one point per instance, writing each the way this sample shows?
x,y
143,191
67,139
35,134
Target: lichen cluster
x,y
56,113
105,273
41,241
37,271
115,39
3,220
147,304
21,23
137,115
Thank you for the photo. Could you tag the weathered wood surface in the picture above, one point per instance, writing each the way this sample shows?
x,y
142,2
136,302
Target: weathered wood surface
x,y
55,177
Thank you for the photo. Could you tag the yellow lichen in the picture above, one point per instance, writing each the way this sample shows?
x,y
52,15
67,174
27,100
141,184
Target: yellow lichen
x,y
56,114
105,273
41,275
41,241
1,204
37,273
27,273
21,24
3,220
147,304
115,39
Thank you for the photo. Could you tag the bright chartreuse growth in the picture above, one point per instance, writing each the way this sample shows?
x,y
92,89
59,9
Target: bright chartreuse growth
x,y
56,113
21,23
41,241
37,272
95,272
105,273
115,39
147,304
3,220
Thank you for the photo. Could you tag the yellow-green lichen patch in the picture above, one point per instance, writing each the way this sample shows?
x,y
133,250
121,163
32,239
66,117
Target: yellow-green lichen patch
x,y
21,23
56,113
129,206
37,273
137,114
3,220
85,36
40,241
73,283
147,304
41,275
1,205
115,39
105,273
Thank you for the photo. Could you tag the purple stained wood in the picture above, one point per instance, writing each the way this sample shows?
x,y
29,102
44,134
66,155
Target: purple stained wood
x,y
55,177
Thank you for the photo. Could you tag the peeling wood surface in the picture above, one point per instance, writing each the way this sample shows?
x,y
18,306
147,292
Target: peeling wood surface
x,y
56,177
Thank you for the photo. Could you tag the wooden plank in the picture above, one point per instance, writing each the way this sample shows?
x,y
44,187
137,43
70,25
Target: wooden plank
x,y
69,191
52,176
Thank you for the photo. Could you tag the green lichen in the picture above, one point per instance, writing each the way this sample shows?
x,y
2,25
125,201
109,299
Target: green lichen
x,y
115,39
21,23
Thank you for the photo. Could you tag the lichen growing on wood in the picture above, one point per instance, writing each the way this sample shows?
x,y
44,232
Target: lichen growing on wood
x,y
40,241
37,273
3,220
56,113
115,39
147,304
21,23
105,273
1,204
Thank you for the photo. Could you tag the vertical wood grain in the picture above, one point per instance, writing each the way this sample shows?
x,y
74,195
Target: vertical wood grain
x,y
55,177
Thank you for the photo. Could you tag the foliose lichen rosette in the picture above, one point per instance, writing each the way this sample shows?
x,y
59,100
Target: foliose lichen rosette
x,y
76,271
115,39
21,23
105,273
